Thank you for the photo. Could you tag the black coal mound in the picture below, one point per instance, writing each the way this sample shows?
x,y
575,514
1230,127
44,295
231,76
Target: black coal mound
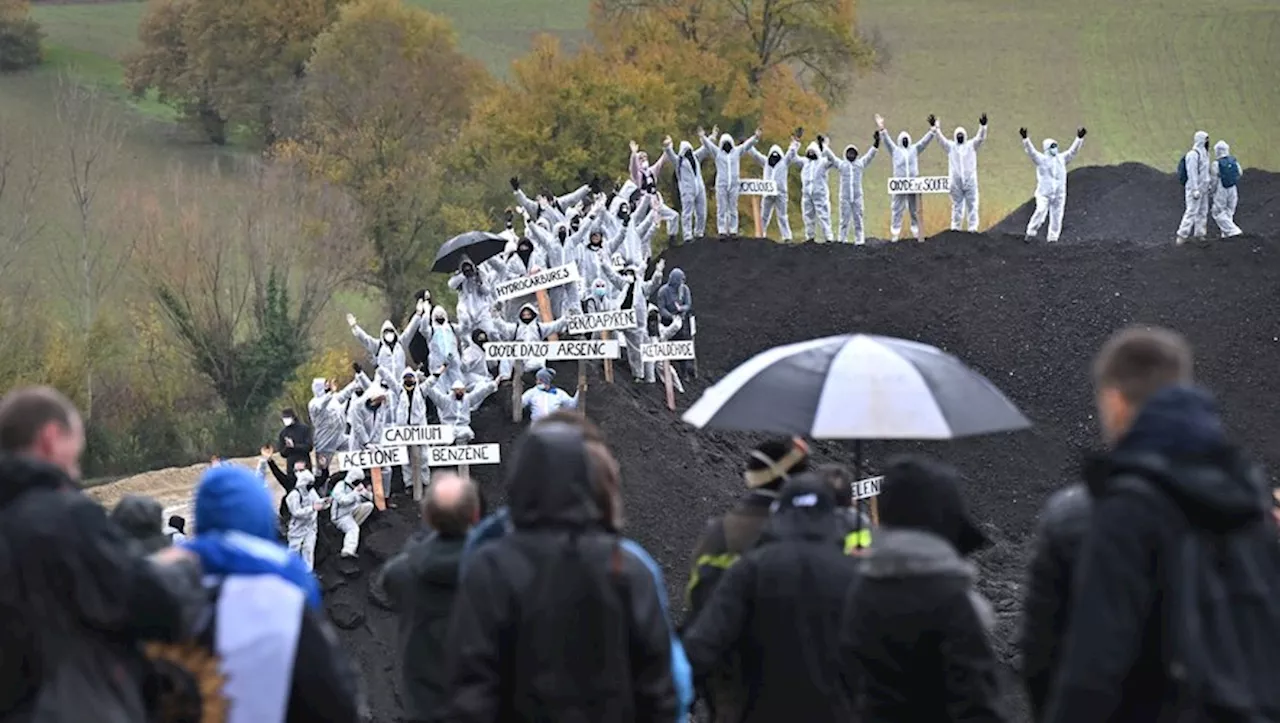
x,y
1028,316
1140,204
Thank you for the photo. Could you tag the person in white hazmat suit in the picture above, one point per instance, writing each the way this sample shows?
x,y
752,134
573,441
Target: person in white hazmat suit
x,y
546,398
645,176
1225,170
456,406
304,505
728,158
556,251
351,505
1195,219
328,421
411,411
368,416
446,349
529,328
815,194
775,166
557,204
476,367
386,351
906,164
962,165
476,295
633,294
1051,182
687,166
655,332
851,169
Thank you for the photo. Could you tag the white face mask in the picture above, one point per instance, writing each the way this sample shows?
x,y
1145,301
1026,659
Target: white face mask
x,y
389,338
286,421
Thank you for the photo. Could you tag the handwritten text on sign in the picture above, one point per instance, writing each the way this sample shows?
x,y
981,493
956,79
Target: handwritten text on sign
x,y
416,435
603,321
923,184
550,278
552,350
667,350
757,187
473,454
865,488
369,458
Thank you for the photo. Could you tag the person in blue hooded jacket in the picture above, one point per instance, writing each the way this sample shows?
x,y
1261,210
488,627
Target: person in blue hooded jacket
x,y
267,619
675,299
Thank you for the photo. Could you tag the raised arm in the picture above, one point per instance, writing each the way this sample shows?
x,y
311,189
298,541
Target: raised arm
x,y
923,143
981,138
1036,156
865,159
790,156
476,396
455,281
832,159
1075,147
573,197
370,344
750,142
759,157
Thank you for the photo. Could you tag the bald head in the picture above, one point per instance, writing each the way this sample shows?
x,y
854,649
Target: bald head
x,y
452,505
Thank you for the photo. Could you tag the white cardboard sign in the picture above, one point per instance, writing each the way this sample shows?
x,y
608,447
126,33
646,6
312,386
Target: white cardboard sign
x,y
550,278
667,351
869,487
449,456
553,350
757,187
920,184
369,458
602,321
418,435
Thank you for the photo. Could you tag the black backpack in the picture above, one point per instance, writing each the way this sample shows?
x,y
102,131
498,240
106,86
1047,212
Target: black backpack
x,y
1221,599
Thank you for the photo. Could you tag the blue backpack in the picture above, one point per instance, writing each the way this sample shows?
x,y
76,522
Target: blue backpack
x,y
1182,170
1228,171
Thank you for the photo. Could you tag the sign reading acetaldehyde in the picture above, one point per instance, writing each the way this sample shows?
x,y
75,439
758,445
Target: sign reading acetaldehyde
x,y
548,279
920,184
667,351
553,350
369,458
473,454
418,435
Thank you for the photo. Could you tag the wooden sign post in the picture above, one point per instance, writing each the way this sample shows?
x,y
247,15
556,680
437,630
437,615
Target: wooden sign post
x,y
544,310
517,390
755,213
757,188
671,390
665,352
608,363
416,469
379,494
915,188
582,385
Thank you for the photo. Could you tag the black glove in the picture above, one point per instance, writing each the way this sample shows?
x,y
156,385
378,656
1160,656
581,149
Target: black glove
x,y
822,140
982,121
1082,132
515,183
933,120
799,132
1022,132
595,184
355,367
875,139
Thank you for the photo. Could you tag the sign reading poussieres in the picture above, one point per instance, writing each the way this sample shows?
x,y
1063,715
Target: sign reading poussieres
x,y
540,281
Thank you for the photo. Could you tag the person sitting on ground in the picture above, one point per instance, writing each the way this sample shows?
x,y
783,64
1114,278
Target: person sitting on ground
x,y
352,504
916,632
140,517
421,583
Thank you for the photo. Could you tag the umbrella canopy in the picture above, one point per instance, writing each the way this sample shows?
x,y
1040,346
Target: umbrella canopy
x,y
856,387
479,246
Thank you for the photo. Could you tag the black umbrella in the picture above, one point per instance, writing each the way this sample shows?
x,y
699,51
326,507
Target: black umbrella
x,y
479,246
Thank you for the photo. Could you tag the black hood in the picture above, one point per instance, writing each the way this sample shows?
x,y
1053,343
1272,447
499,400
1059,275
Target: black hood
x,y
439,564
922,494
805,510
549,483
140,518
19,475
524,249
1178,442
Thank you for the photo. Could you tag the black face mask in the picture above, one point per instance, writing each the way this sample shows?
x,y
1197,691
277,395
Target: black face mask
x,y
623,216
726,147
468,270
959,138
851,155
409,384
596,241
481,340
371,405
906,142
564,234
811,156
526,319
459,393
689,157
774,158
575,224
524,252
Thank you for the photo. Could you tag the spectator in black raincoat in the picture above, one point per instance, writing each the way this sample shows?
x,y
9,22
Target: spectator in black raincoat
x,y
140,518
556,620
295,440
780,607
917,632
728,537
1061,532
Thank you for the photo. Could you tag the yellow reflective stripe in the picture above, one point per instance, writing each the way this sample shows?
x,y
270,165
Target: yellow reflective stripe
x,y
722,561
852,540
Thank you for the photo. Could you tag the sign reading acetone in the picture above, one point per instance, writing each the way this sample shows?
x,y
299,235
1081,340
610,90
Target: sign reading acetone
x,y
418,435
667,351
922,184
369,458
757,187
869,487
550,278
553,350
472,454
603,321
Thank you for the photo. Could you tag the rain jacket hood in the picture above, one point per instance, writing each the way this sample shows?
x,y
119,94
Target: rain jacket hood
x,y
530,307
805,510
387,326
1197,143
1221,149
676,278
812,150
317,387
775,153
549,480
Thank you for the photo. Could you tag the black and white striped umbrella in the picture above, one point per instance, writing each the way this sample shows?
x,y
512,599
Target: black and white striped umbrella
x,y
856,387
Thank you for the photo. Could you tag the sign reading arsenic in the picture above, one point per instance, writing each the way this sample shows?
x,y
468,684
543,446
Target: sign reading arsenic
x,y
553,350
921,184
667,351
472,454
550,278
602,321
369,458
416,435
757,187
864,488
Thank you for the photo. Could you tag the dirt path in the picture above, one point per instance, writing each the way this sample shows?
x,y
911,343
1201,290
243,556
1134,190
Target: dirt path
x,y
171,487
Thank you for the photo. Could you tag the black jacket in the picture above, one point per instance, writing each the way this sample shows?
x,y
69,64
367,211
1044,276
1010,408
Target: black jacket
x,y
73,586
1112,666
556,621
779,609
139,517
422,583
1048,598
300,435
917,634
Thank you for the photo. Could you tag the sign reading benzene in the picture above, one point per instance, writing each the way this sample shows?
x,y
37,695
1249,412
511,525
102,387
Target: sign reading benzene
x,y
869,487
450,456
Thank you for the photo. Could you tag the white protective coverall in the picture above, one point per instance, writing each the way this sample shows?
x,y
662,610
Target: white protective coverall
x,y
367,422
775,166
687,166
728,158
386,351
328,423
546,397
302,502
656,331
962,163
851,206
815,194
352,505
446,349
906,164
1224,199
476,293
456,406
411,410
634,294
557,251
1051,184
1195,219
